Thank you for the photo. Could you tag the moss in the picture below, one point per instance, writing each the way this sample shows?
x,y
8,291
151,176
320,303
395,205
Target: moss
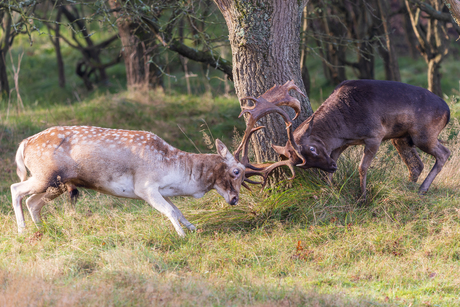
x,y
253,23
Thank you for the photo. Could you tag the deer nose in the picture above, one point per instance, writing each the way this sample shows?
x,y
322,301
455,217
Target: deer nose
x,y
333,165
234,201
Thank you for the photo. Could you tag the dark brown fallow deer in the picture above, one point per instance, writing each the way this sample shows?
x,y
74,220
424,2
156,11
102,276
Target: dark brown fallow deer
x,y
358,112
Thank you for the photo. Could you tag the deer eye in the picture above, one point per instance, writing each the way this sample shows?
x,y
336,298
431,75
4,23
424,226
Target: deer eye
x,y
236,171
312,149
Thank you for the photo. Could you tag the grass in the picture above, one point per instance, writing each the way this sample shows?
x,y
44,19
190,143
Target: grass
x,y
303,243
309,244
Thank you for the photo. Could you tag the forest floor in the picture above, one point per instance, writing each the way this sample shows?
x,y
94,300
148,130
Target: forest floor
x,y
302,243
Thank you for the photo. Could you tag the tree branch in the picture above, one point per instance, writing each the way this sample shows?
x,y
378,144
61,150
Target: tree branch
x,y
453,18
454,8
191,53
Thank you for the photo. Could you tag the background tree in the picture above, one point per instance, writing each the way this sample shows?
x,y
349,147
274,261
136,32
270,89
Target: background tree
x,y
56,41
137,48
9,29
6,40
432,39
265,39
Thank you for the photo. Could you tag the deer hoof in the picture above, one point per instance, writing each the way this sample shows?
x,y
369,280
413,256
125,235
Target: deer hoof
x,y
191,227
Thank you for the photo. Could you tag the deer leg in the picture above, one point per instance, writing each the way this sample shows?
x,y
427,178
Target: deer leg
x,y
157,201
18,191
441,154
370,149
181,217
73,193
334,156
410,157
36,202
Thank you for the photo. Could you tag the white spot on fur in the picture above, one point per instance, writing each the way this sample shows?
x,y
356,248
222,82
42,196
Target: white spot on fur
x,y
52,133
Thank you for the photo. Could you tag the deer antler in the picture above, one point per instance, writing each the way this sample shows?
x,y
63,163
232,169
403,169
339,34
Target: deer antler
x,y
270,102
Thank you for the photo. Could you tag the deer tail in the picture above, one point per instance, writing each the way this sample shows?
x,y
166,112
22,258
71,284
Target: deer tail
x,y
21,169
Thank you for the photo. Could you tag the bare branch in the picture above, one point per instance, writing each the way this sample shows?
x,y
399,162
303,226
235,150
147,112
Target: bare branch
x,y
454,8
175,45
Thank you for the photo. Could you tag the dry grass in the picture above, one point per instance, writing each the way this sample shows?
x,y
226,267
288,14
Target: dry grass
x,y
308,245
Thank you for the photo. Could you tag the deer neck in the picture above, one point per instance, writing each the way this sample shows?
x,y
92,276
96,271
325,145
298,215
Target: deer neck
x,y
198,171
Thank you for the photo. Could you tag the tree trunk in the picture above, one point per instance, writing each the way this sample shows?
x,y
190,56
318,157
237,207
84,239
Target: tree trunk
x,y
432,44
366,59
132,53
140,74
388,53
4,47
265,37
454,8
434,75
409,36
303,53
332,50
4,86
57,48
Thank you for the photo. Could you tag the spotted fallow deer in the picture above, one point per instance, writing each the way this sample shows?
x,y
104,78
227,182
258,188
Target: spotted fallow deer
x,y
359,112
123,163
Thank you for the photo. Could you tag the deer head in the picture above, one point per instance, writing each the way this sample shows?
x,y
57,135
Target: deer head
x,y
293,154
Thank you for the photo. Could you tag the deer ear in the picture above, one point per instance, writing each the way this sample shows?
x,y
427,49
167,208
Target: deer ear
x,y
289,152
281,150
222,150
310,124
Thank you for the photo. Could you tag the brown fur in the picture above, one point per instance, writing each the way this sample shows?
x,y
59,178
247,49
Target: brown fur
x,y
367,112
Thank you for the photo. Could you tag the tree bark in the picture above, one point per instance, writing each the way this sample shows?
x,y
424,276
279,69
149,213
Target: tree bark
x,y
57,47
4,85
140,74
5,23
265,37
303,53
454,8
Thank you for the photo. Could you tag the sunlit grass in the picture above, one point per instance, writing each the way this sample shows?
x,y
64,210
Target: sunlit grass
x,y
301,243
307,243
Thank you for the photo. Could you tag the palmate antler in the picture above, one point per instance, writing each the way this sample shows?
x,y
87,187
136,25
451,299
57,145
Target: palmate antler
x,y
270,102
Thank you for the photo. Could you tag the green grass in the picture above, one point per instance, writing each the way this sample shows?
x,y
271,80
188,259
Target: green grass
x,y
308,244
303,243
